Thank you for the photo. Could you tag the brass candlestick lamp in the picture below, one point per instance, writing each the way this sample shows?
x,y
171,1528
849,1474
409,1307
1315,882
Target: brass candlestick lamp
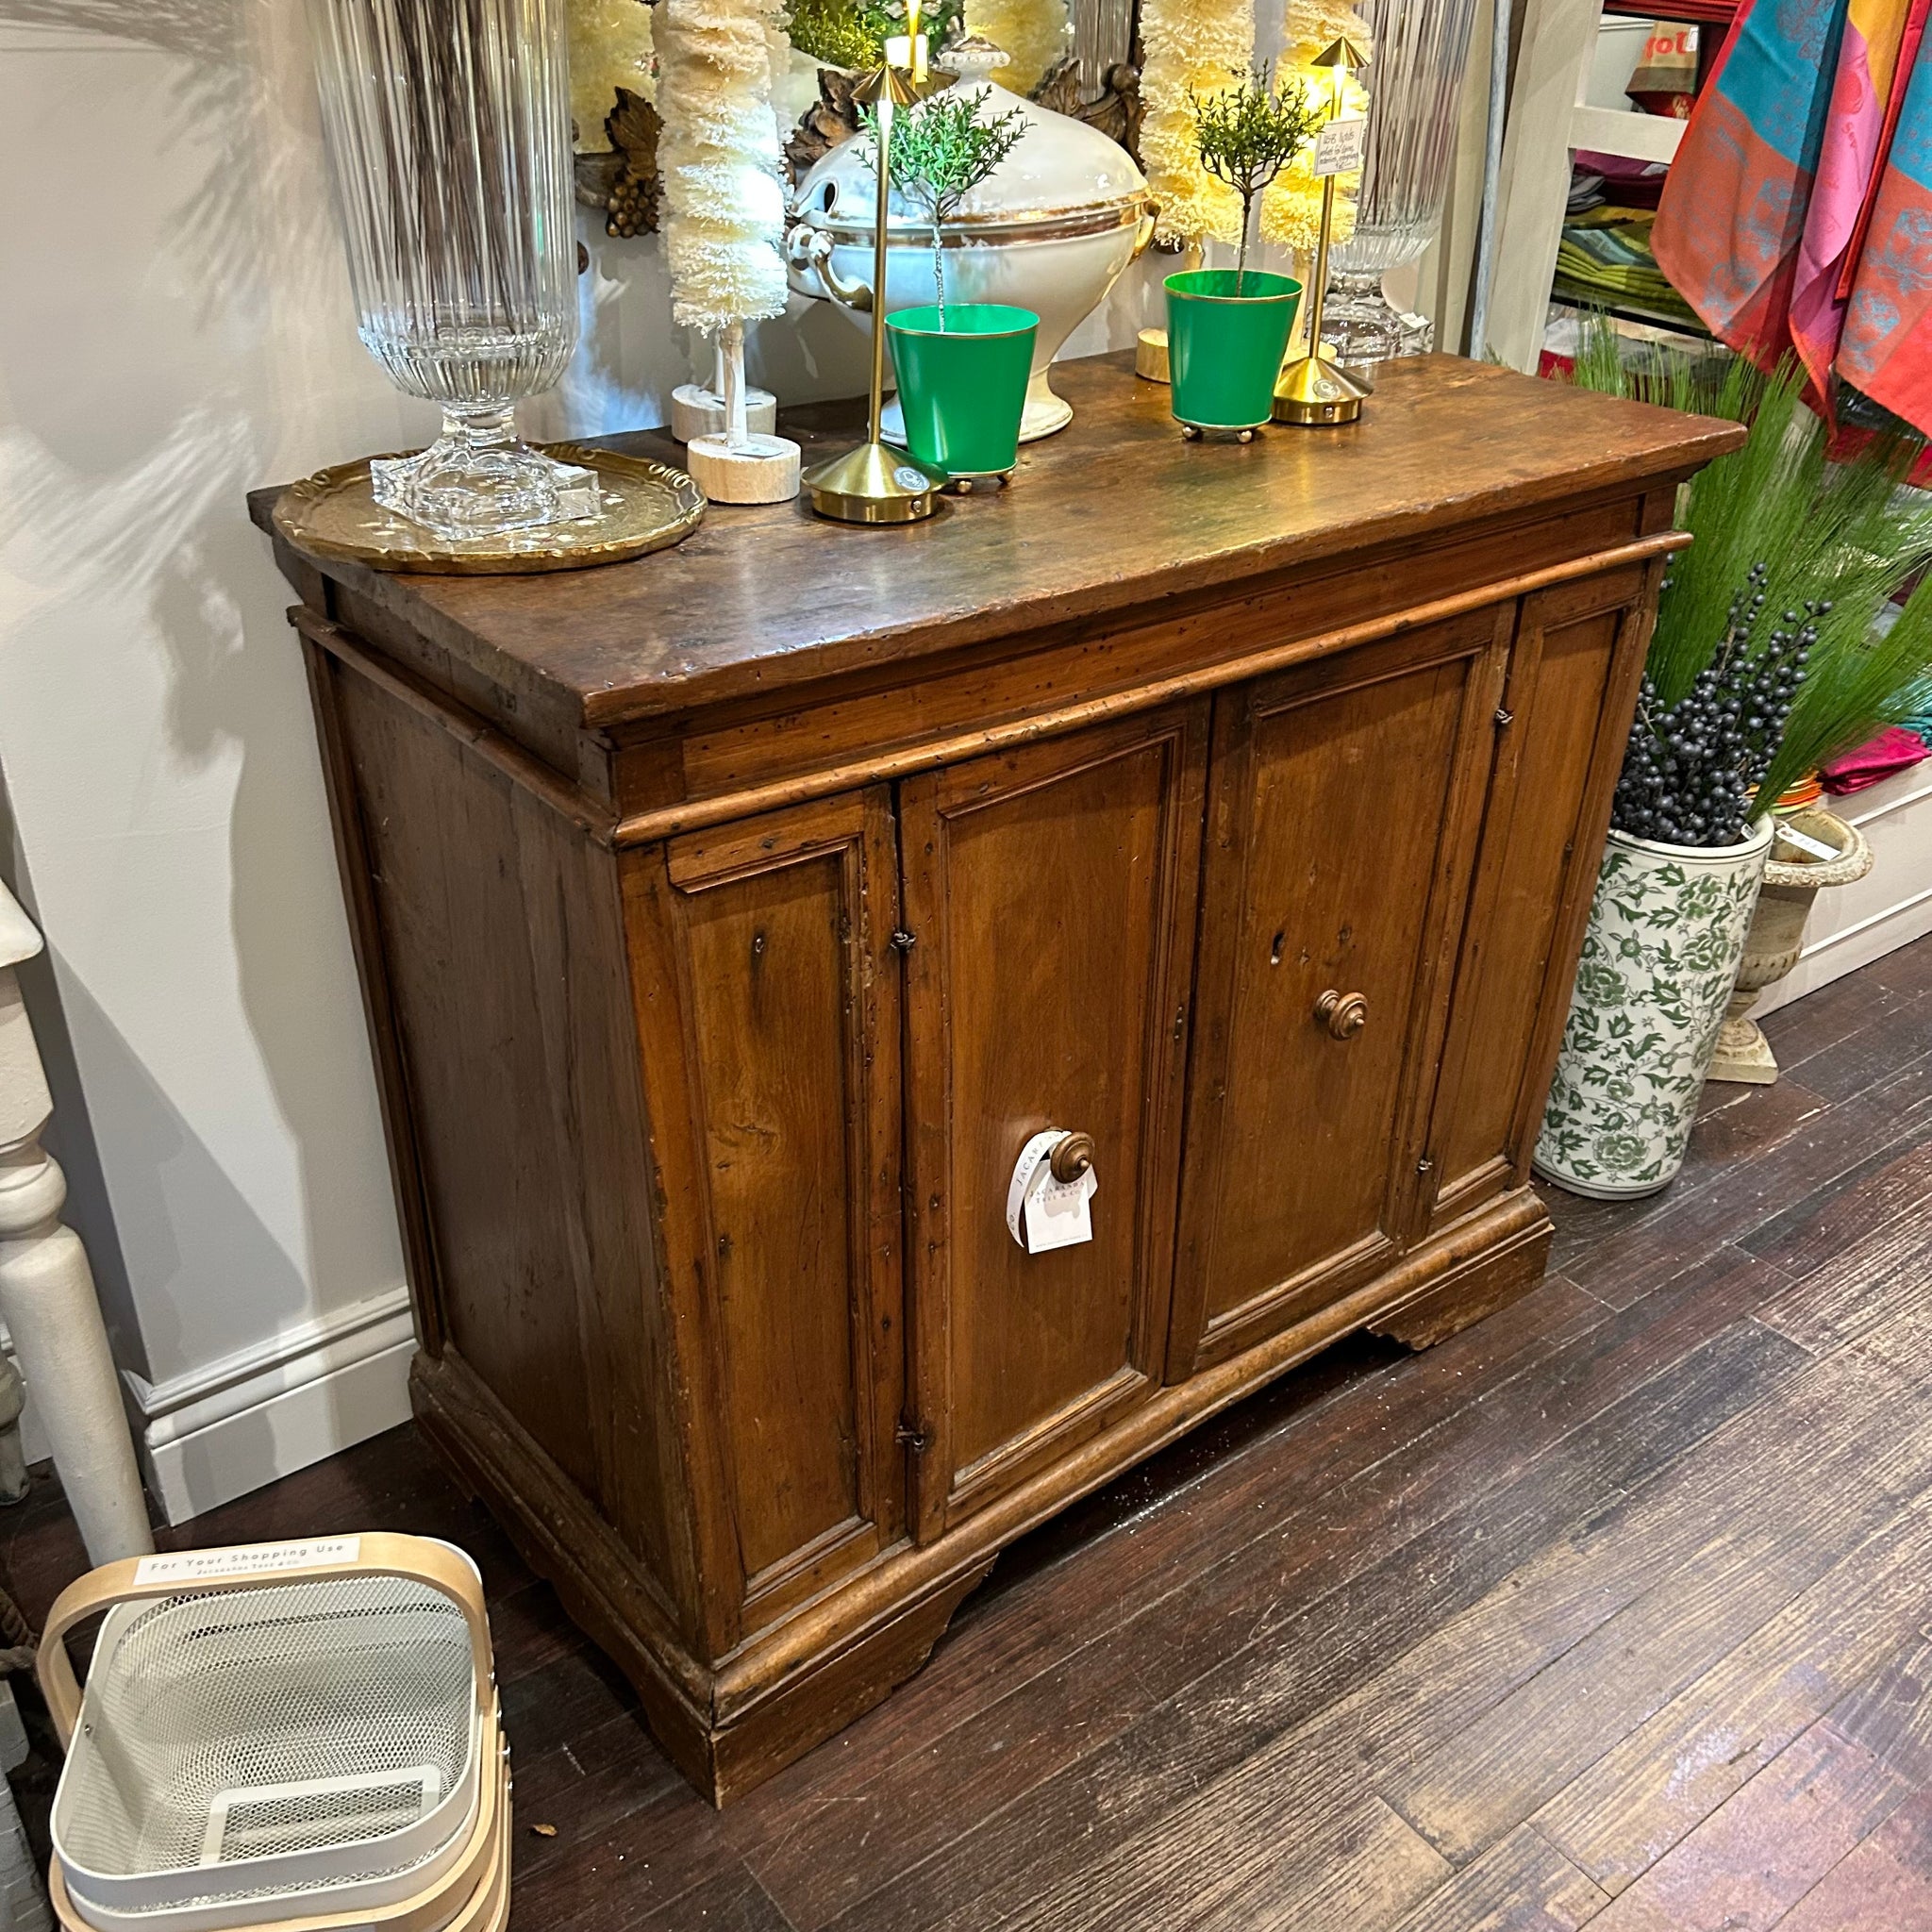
x,y
1314,392
877,483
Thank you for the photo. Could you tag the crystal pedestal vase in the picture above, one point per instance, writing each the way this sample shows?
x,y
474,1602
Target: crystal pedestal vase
x,y
1414,81
447,125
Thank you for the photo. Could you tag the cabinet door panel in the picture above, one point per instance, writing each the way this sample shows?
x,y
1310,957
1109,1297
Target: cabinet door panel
x,y
787,986
1578,650
1342,811
1052,896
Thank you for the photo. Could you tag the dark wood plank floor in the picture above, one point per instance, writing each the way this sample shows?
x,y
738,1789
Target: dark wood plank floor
x,y
1616,1610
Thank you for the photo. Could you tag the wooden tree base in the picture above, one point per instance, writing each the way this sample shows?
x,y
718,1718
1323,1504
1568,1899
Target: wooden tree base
x,y
764,472
695,411
1150,356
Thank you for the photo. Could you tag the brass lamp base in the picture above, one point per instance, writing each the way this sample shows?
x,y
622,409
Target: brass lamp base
x,y
874,484
1313,392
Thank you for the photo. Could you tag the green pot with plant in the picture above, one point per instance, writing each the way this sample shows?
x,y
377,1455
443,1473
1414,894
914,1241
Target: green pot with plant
x,y
1228,329
963,367
1766,660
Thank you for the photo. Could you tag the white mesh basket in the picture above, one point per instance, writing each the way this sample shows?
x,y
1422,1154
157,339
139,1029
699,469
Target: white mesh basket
x,y
277,1732
484,1906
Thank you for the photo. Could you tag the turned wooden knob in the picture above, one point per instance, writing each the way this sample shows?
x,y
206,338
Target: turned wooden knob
x,y
1343,1014
1072,1158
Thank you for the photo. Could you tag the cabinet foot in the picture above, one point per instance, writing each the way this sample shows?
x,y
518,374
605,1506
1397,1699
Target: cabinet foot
x,y
807,1708
1470,1289
727,1729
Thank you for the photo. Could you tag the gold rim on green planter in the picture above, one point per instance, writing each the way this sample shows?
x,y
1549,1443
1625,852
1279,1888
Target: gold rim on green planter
x,y
962,383
1227,334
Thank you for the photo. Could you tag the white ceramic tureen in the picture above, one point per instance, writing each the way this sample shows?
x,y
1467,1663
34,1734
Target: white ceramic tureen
x,y
1050,230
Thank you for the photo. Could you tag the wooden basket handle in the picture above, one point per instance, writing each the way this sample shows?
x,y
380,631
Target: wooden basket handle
x,y
378,1552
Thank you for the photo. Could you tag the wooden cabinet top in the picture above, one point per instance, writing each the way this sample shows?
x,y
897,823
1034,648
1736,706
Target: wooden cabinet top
x,y
1117,512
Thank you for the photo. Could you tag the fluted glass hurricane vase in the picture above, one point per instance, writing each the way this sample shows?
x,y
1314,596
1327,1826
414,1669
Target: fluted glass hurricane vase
x,y
1414,81
447,125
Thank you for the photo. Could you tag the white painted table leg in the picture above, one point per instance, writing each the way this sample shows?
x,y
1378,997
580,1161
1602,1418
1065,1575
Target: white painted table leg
x,y
48,1290
47,1299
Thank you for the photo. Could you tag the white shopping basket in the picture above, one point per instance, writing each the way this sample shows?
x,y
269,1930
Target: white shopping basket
x,y
280,1734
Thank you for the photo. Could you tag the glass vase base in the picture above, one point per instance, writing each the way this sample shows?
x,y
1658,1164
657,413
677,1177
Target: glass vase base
x,y
466,495
1362,325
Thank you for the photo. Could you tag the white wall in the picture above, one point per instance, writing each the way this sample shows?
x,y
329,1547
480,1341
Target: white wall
x,y
175,329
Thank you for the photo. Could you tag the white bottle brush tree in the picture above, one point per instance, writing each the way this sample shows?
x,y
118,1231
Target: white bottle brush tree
x,y
1247,134
940,152
724,197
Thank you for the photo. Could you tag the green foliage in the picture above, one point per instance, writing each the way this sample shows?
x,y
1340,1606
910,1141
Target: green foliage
x,y
1248,133
940,151
1834,537
1880,678
853,33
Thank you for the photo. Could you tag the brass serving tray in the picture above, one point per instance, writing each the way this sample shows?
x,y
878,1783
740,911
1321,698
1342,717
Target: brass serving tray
x,y
647,505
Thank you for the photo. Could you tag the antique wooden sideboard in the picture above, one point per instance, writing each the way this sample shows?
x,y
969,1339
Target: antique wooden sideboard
x,y
730,919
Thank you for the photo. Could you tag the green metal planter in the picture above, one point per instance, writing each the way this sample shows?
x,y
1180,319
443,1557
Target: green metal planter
x,y
962,388
1224,349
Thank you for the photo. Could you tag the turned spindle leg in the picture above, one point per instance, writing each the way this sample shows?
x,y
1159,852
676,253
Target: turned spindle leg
x,y
47,1299
47,1292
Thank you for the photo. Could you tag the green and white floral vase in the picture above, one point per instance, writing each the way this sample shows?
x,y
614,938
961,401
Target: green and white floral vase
x,y
1666,935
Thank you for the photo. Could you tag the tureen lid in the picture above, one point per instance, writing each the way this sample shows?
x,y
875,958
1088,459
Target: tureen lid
x,y
1059,166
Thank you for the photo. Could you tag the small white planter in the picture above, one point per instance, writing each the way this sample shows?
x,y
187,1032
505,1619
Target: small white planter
x,y
1666,933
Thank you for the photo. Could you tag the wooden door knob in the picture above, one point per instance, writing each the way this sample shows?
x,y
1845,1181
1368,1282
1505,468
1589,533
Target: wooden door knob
x,y
1072,1158
1343,1014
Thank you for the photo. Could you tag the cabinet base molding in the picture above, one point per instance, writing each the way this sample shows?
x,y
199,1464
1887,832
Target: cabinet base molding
x,y
730,1727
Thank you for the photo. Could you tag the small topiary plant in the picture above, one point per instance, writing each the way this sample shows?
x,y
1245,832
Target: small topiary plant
x,y
1248,133
940,152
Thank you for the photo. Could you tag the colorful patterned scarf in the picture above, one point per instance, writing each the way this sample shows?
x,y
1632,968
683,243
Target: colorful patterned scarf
x,y
1798,213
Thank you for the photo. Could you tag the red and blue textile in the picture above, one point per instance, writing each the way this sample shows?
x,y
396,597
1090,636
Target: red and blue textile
x,y
1798,213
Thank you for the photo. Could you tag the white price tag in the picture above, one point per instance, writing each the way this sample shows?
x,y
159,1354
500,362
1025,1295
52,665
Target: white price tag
x,y
201,1566
1043,1213
1339,146
1804,843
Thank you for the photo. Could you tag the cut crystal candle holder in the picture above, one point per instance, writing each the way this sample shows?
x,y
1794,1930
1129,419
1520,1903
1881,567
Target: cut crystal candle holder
x,y
447,127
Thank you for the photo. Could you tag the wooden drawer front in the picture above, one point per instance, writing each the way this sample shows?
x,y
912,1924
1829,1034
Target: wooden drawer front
x,y
1051,895
1341,817
1568,694
789,1211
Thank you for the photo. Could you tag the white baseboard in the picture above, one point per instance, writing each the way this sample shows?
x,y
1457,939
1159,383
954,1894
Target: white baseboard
x,y
217,1433
1892,905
